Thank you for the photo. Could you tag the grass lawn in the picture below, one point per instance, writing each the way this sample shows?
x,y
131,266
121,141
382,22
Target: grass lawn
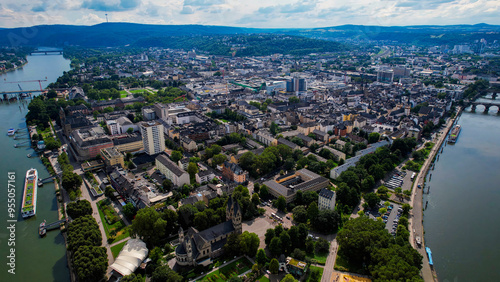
x,y
228,271
311,269
142,91
319,257
123,95
117,248
262,278
119,226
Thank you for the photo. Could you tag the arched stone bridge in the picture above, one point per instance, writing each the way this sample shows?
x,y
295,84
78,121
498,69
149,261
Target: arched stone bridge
x,y
486,105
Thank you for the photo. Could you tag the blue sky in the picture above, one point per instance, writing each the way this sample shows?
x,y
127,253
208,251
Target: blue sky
x,y
250,13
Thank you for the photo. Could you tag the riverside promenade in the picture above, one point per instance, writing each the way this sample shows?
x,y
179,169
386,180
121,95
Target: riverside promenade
x,y
416,225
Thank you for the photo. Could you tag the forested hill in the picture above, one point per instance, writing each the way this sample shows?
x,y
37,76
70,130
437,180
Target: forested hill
x,y
121,34
245,45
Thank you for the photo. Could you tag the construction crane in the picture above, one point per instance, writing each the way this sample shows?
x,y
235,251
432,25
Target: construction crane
x,y
38,80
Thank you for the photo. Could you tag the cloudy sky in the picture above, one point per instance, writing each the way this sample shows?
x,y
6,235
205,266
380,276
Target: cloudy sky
x,y
250,13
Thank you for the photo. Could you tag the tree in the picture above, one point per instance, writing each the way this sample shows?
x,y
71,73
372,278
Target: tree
x,y
406,209
149,226
275,247
172,221
264,191
83,231
90,263
261,257
294,99
167,184
289,278
156,254
327,221
373,137
315,275
129,210
51,143
51,94
300,214
192,169
71,181
132,278
274,128
219,159
249,243
270,234
165,274
312,211
281,203
130,130
108,192
79,208
232,246
372,199
298,254
310,247
286,243
359,237
176,156
255,199
274,266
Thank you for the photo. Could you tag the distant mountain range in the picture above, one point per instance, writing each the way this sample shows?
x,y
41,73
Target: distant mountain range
x,y
122,34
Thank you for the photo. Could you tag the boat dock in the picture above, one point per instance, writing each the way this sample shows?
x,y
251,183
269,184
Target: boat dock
x,y
54,225
46,180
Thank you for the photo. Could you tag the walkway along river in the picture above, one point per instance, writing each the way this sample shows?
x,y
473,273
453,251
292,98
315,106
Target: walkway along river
x,y
36,259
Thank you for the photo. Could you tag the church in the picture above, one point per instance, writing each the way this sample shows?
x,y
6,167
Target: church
x,y
198,248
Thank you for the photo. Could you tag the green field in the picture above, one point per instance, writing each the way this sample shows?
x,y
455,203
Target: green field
x,y
319,257
262,278
233,269
112,222
117,248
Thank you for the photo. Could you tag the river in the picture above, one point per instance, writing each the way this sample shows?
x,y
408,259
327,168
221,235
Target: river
x,y
460,222
36,259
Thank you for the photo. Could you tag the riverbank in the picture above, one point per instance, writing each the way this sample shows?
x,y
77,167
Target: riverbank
x,y
16,68
416,219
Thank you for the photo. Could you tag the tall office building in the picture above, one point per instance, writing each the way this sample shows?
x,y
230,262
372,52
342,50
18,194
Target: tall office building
x,y
296,85
152,137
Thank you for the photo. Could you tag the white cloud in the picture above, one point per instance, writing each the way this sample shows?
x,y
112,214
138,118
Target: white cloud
x,y
255,13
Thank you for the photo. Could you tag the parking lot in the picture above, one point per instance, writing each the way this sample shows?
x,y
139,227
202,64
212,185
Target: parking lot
x,y
399,179
390,218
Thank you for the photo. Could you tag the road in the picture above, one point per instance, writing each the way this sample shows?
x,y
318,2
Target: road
x,y
87,196
416,214
330,260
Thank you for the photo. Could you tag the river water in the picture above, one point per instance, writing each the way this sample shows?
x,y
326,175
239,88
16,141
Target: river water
x,y
461,221
36,259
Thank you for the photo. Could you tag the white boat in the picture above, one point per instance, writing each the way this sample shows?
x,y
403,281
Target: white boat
x,y
11,132
30,193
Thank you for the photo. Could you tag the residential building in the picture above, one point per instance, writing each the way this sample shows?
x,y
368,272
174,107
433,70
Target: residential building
x,y
234,172
152,137
171,171
326,199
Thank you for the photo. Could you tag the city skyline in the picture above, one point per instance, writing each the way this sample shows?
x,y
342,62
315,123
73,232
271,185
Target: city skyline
x,y
258,14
